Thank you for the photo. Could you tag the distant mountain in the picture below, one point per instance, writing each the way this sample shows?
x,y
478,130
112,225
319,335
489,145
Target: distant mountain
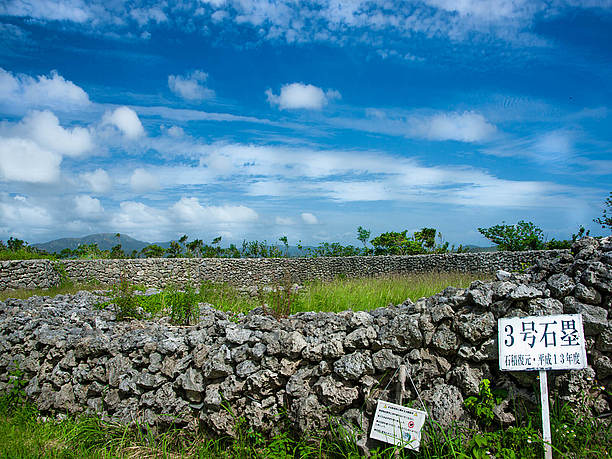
x,y
105,241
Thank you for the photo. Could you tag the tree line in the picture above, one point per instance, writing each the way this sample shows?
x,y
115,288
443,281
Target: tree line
x,y
520,236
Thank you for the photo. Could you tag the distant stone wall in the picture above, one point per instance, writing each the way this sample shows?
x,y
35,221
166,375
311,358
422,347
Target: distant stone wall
x,y
159,272
309,369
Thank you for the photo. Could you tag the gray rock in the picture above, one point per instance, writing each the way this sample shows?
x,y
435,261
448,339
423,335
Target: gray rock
x,y
385,360
474,327
525,292
336,393
561,285
545,307
587,294
445,404
594,318
445,340
355,365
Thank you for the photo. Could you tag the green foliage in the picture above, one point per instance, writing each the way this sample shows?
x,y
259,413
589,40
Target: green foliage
x,y
183,305
65,280
123,300
606,217
152,251
257,249
17,249
522,236
15,395
363,235
395,243
482,405
335,249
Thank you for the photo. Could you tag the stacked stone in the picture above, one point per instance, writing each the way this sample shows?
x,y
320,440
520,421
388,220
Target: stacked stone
x,y
310,366
247,272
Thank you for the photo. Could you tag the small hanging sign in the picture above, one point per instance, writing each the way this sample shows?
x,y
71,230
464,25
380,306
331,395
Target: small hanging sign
x,y
542,343
398,425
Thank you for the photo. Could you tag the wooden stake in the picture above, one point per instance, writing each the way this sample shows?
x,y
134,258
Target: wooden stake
x,y
545,415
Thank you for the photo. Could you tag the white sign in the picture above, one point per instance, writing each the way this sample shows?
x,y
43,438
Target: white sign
x,y
542,343
398,425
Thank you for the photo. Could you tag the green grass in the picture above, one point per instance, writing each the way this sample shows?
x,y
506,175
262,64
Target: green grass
x,y
24,254
375,292
338,295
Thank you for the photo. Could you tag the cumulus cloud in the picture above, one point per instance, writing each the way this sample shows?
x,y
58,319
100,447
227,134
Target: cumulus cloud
x,y
301,96
191,87
145,15
88,207
309,218
19,92
284,221
54,10
19,214
142,181
23,160
190,210
98,180
126,120
44,128
140,220
464,127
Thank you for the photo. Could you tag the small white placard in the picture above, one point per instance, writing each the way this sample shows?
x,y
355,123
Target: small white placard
x,y
542,343
398,425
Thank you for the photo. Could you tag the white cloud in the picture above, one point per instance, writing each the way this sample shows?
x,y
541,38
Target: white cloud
x,y
18,213
191,87
555,145
301,96
145,15
98,180
22,160
88,207
126,120
44,128
189,210
463,127
468,126
309,218
142,181
54,10
284,221
19,92
140,220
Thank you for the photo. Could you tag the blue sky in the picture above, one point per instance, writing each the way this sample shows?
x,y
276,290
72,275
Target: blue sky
x,y
258,119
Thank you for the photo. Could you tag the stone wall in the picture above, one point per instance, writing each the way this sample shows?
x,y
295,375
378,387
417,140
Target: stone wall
x,y
309,368
255,271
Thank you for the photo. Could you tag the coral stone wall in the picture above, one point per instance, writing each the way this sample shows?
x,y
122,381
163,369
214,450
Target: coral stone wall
x,y
256,271
310,367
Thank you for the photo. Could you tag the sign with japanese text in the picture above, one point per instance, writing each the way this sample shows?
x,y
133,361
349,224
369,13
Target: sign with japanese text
x,y
398,425
542,343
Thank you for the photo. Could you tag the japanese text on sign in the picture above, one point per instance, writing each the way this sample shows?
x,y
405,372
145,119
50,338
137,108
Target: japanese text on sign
x,y
398,425
542,343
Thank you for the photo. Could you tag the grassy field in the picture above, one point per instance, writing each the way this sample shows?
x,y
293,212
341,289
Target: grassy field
x,y
338,295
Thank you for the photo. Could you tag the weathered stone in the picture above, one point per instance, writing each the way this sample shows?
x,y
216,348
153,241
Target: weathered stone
x,y
594,318
561,285
587,294
525,292
445,404
335,392
353,366
545,307
445,340
385,360
474,327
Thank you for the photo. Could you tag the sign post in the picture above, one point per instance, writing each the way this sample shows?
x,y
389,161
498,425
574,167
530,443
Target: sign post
x,y
542,343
